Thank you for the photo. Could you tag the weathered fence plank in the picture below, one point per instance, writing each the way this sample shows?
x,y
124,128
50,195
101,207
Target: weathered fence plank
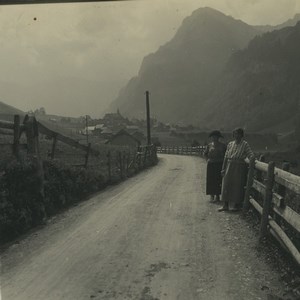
x,y
260,187
284,238
249,185
292,217
44,130
289,180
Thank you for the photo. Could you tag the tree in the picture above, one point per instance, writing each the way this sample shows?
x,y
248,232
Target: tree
x,y
40,111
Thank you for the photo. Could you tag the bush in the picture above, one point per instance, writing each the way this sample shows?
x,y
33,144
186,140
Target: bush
x,y
65,185
20,200
21,203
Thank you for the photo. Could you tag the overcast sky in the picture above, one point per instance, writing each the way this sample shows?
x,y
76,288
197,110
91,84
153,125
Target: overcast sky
x,y
51,53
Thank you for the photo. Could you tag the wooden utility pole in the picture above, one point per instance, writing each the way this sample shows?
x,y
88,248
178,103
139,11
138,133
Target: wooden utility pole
x,y
148,118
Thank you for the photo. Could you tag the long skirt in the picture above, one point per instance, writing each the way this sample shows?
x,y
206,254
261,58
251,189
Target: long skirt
x,y
213,178
234,182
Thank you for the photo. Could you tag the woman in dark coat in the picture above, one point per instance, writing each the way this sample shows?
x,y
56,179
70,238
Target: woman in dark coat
x,y
214,154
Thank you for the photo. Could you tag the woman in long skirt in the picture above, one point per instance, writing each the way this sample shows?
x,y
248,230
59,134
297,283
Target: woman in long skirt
x,y
214,153
234,171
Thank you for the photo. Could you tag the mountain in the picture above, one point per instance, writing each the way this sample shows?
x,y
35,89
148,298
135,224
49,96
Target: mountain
x,y
260,85
291,22
183,72
6,109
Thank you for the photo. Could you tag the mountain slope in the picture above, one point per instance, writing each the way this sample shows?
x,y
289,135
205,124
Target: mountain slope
x,y
260,86
6,109
182,73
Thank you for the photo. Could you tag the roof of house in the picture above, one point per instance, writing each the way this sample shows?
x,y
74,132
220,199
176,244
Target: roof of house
x,y
99,126
139,135
122,132
90,128
106,130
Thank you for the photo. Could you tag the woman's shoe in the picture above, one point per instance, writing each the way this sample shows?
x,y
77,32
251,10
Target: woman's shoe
x,y
236,208
224,208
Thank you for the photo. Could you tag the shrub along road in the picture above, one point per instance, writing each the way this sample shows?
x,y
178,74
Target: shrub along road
x,y
154,236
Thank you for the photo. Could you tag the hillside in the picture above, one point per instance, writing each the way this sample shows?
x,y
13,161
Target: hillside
x,y
260,85
6,109
182,73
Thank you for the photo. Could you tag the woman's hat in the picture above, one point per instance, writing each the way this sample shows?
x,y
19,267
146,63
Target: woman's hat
x,y
216,133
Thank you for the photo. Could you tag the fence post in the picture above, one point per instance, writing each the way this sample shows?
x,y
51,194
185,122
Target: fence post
x,y
139,158
53,146
128,161
124,161
87,155
109,165
33,151
16,144
249,185
31,129
145,156
121,164
267,200
155,153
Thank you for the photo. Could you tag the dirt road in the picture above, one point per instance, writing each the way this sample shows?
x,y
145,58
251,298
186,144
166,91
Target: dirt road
x,y
154,236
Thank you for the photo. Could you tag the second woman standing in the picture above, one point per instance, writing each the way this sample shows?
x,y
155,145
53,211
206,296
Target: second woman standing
x,y
214,154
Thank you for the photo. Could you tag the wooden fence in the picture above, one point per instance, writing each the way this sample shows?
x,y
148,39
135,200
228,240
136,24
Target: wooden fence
x,y
124,159
266,191
181,150
272,184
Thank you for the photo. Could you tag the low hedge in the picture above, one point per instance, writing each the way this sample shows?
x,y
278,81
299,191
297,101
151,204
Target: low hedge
x,y
23,207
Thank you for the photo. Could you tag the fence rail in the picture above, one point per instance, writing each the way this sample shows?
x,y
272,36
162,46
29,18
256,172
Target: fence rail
x,y
264,180
120,158
181,150
271,184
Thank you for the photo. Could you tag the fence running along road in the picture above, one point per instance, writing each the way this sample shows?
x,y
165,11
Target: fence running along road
x,y
115,157
266,189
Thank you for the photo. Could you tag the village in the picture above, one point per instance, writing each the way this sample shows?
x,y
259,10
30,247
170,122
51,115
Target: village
x,y
115,129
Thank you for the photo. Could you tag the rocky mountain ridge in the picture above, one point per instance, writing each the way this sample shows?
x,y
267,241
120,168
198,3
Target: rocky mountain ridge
x,y
206,75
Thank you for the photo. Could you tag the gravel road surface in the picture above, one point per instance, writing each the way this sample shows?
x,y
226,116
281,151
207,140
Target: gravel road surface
x,y
154,236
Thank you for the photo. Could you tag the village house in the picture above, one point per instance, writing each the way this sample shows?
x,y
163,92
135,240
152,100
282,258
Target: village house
x,y
123,138
115,121
106,133
140,136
